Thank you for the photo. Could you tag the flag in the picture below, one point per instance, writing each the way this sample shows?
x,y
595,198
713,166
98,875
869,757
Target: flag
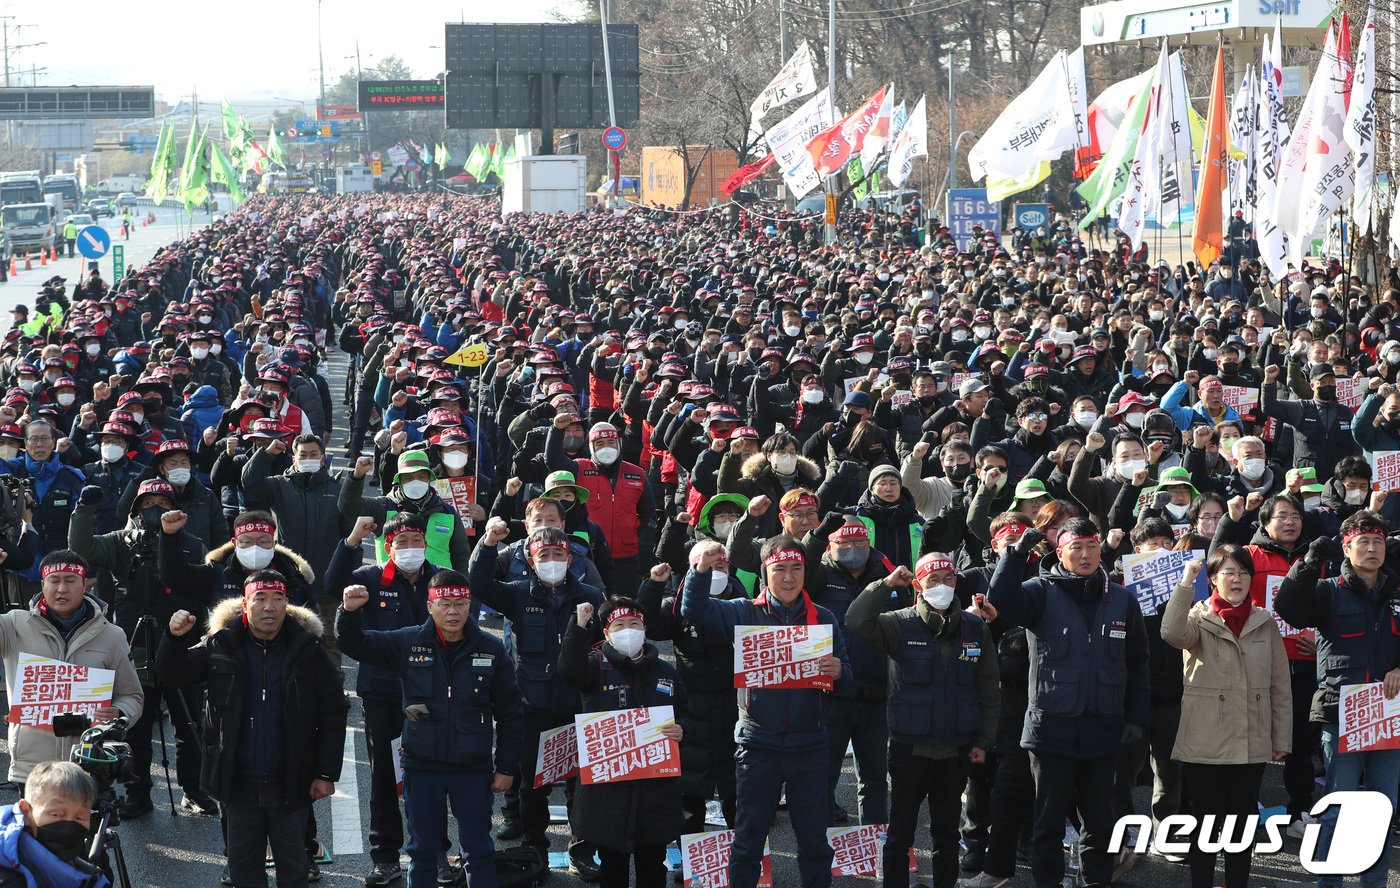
x,y
897,119
1327,176
1147,153
877,140
911,143
746,174
274,147
1000,189
1039,124
1110,174
1171,196
162,164
1102,119
1241,159
508,158
1270,139
1078,96
224,174
788,140
795,80
187,161
830,150
194,184
1344,57
477,162
1209,240
1360,126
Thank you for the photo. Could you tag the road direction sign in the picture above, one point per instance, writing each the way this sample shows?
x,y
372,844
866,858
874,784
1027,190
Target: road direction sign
x,y
94,242
118,263
615,138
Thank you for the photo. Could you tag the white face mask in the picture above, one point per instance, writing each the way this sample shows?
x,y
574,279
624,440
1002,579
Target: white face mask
x,y
199,354
178,477
864,358
253,557
409,559
1355,497
812,396
307,466
1134,420
552,573
627,642
216,347
1319,312
204,319
606,455
113,452
1086,418
1160,368
1177,512
1156,314
719,582
784,463
679,323
1208,354
66,399
1129,468
792,329
29,385
94,349
1252,468
982,332
722,528
939,597
415,489
959,335
454,459
1312,503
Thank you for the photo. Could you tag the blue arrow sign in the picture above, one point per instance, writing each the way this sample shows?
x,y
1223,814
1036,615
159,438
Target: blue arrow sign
x,y
94,242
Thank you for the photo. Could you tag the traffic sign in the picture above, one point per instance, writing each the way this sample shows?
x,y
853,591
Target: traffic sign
x,y
94,242
118,263
374,155
615,138
376,166
291,132
831,209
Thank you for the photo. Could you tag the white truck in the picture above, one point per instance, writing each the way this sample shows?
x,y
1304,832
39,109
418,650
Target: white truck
x,y
353,178
555,183
123,182
29,227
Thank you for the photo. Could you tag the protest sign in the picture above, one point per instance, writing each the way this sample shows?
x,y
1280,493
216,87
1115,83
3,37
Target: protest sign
x,y
626,744
705,860
1349,392
1289,634
1151,577
460,494
781,656
396,754
899,399
44,688
1385,470
556,759
1241,397
1369,720
851,383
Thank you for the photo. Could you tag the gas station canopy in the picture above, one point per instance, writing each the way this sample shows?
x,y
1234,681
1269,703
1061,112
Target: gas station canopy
x,y
1242,21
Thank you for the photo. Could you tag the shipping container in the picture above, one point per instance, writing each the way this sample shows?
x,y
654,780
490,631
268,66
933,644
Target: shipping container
x,y
663,176
545,184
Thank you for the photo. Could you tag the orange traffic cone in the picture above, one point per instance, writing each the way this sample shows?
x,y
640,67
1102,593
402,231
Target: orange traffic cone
x,y
43,257
28,262
13,270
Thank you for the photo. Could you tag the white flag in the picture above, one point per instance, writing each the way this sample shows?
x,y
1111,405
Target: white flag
x,y
1269,143
795,80
912,142
1078,96
1167,200
1144,176
877,139
1287,202
1328,177
1360,128
1242,109
788,141
1038,125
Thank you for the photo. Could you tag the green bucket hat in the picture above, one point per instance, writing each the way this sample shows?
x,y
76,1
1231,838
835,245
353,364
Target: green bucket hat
x,y
414,461
1176,476
1030,488
560,480
1309,478
738,500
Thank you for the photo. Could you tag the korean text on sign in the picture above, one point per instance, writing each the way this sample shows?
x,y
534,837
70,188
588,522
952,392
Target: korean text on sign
x,y
1369,720
705,860
1289,634
1385,470
626,745
45,688
1151,577
556,759
781,656
1242,398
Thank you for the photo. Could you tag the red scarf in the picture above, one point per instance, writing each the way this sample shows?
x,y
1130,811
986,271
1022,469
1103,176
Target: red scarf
x,y
1234,615
809,610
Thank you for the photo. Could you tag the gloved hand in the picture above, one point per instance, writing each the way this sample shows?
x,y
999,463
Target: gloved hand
x,y
91,495
1131,733
1320,552
995,411
765,370
1027,542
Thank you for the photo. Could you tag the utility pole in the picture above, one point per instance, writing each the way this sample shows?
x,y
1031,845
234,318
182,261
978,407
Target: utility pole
x,y
321,64
612,107
831,86
952,126
784,53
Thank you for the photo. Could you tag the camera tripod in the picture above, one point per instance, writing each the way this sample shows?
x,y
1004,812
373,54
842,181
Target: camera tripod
x,y
105,838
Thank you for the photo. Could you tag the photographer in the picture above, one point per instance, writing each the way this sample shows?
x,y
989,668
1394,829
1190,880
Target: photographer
x,y
142,605
44,834
63,623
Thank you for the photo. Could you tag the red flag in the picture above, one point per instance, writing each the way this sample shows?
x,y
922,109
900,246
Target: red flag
x,y
1344,65
1209,240
746,174
831,150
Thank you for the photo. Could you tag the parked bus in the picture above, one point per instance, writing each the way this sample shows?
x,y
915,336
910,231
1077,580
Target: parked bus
x,y
21,187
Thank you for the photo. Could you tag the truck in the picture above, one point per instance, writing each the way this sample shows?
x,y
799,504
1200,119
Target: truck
x,y
353,178
29,227
545,184
664,174
122,182
66,186
21,187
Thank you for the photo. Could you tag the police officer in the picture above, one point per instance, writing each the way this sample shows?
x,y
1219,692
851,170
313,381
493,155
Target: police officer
x,y
943,706
1088,689
456,681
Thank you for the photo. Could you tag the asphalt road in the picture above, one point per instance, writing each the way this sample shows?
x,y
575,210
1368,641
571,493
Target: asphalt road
x,y
168,850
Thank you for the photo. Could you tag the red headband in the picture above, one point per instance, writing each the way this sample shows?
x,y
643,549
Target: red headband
x,y
389,537
1015,528
1360,531
1067,538
782,555
71,567
851,532
254,527
256,586
618,613
436,592
927,566
538,545
805,499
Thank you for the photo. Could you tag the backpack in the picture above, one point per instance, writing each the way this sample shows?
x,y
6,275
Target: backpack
x,y
520,867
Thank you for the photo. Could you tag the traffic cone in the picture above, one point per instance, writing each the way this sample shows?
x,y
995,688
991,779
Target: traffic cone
x,y
43,257
28,262
13,270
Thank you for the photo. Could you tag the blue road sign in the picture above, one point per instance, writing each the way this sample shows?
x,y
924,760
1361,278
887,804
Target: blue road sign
x,y
1030,216
614,138
94,242
968,207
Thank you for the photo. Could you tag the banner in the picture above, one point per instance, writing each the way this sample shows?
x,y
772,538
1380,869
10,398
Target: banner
x,y
1350,392
1359,128
1270,138
1103,117
1038,125
1287,197
1142,182
556,759
460,494
911,143
788,143
878,138
1327,176
1151,577
781,656
832,148
1289,634
705,860
626,745
795,80
1208,241
1385,470
1242,398
1110,176
1369,720
45,688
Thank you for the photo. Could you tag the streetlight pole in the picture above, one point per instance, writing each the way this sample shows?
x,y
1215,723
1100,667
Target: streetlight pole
x,y
612,107
831,91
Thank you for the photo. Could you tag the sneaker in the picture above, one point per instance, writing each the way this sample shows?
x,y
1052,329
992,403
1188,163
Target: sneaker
x,y
199,803
983,880
1296,828
447,874
584,868
224,877
1124,864
383,874
509,830
136,807
313,872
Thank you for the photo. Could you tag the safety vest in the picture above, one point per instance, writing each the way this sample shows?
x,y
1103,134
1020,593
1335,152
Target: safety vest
x,y
748,578
438,537
932,703
916,538
615,510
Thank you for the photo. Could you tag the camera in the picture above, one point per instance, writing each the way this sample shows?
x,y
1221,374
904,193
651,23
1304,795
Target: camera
x,y
101,750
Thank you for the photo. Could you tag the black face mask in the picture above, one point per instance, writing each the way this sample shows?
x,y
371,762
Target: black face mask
x,y
1327,393
1229,368
573,443
958,473
67,839
150,517
927,400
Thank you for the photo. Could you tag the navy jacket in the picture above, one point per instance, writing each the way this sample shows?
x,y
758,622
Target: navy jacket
x,y
394,603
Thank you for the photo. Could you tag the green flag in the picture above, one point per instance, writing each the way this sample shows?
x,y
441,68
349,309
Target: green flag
x,y
224,173
498,160
194,185
162,164
478,162
509,156
1110,177
187,162
230,121
274,146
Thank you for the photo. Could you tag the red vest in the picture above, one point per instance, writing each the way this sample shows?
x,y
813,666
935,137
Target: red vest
x,y
615,511
602,395
1269,563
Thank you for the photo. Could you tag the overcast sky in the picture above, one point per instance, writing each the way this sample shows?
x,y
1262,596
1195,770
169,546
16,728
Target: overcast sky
x,y
268,49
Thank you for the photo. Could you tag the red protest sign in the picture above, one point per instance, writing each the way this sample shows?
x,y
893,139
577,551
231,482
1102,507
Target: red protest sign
x,y
860,850
781,656
1289,634
45,687
705,860
1242,398
1349,392
626,745
1369,720
556,759
460,494
1385,470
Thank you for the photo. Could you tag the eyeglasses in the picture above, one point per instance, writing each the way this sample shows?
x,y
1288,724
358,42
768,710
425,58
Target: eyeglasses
x,y
802,514
1232,573
1037,417
1287,517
